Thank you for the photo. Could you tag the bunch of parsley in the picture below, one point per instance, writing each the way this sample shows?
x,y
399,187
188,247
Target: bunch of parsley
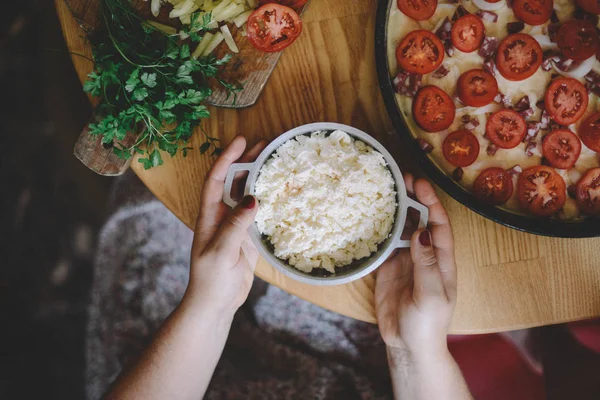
x,y
149,85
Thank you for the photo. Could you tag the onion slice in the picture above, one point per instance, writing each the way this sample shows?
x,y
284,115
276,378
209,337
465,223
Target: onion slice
x,y
545,42
579,71
484,5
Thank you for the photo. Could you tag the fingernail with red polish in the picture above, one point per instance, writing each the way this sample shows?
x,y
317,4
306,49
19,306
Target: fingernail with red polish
x,y
248,202
425,238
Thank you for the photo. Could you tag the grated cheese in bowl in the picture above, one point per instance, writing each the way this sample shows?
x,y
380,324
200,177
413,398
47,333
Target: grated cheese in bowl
x,y
326,200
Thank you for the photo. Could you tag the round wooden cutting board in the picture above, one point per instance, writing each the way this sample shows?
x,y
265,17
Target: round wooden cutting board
x,y
507,279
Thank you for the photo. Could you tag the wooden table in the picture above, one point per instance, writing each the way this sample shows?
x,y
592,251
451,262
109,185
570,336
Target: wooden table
x,y
507,279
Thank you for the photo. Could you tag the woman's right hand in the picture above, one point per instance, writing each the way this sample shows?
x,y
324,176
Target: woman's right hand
x,y
415,296
415,292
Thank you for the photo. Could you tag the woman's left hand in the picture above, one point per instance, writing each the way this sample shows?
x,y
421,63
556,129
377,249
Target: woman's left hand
x,y
223,257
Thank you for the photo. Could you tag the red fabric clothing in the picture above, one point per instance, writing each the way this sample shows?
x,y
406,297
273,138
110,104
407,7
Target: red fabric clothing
x,y
494,369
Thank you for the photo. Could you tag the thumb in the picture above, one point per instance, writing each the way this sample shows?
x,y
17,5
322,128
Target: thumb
x,y
232,232
427,277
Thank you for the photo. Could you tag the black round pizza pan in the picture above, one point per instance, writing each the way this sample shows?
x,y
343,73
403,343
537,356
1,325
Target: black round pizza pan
x,y
548,227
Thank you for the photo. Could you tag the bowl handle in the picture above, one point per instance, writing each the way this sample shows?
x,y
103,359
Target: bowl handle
x,y
423,217
233,169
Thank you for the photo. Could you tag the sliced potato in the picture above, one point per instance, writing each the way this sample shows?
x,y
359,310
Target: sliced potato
x,y
242,18
155,7
184,8
232,11
213,44
219,9
229,39
206,39
209,5
169,30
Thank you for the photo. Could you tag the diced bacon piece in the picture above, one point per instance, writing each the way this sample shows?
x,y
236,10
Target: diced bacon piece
x,y
400,79
407,84
533,128
516,170
527,113
593,77
552,55
425,145
506,101
572,191
515,27
488,46
491,149
489,65
458,174
531,144
449,48
540,104
441,72
546,65
443,32
465,118
545,120
472,124
549,56
522,104
460,11
566,64
487,16
593,88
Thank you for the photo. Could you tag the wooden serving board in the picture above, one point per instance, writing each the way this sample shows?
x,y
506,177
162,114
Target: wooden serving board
x,y
250,67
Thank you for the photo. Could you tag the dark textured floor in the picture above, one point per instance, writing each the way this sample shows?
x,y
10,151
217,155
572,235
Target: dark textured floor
x,y
51,208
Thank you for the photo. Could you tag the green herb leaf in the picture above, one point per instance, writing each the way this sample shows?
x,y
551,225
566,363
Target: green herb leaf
x,y
154,160
133,80
149,79
204,148
140,93
149,85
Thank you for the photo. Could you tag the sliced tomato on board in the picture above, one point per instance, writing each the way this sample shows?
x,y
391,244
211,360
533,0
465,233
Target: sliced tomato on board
x,y
566,100
533,12
561,148
419,10
273,27
420,52
541,190
506,128
477,88
577,39
432,109
589,132
461,148
518,57
591,6
295,4
467,33
587,192
493,186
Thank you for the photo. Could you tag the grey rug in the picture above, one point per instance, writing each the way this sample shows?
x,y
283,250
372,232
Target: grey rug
x,y
279,346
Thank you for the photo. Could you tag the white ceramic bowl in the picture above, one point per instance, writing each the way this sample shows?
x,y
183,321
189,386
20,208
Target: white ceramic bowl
x,y
359,268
